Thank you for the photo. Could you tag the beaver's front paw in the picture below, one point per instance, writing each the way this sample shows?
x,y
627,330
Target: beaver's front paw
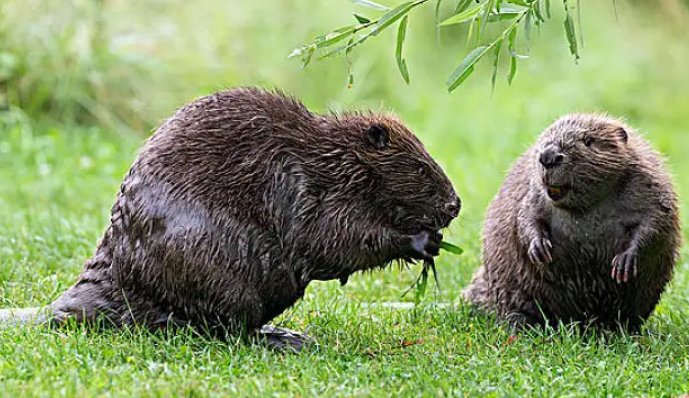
x,y
425,245
540,251
624,265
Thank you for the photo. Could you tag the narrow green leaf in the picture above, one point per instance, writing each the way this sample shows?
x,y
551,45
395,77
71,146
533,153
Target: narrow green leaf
x,y
466,67
436,20
511,37
527,31
512,48
362,19
306,53
462,5
334,37
401,63
509,9
386,20
504,16
422,281
404,71
391,16
460,79
483,19
537,13
350,72
513,70
471,31
431,264
479,23
370,4
516,55
462,17
571,36
307,57
421,286
349,48
451,248
495,68
547,8
333,52
518,2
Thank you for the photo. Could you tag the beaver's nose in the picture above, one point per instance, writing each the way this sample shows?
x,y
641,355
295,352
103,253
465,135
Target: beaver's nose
x,y
551,158
453,207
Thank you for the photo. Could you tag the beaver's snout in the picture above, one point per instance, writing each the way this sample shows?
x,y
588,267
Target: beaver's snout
x,y
448,212
452,208
551,157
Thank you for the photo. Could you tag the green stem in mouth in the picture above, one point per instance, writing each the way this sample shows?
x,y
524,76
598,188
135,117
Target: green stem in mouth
x,y
451,248
422,281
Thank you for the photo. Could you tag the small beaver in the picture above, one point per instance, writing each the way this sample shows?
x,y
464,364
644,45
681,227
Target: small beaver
x,y
242,198
584,229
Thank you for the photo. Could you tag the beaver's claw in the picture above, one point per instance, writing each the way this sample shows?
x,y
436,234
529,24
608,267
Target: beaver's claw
x,y
624,266
540,251
425,245
282,339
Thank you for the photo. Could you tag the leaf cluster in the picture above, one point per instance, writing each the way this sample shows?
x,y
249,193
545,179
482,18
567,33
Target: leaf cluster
x,y
511,15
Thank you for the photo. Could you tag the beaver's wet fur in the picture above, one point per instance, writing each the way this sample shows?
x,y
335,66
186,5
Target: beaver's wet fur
x,y
242,198
584,229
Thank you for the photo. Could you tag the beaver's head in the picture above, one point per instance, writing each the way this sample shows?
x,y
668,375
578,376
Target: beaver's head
x,y
413,187
404,185
581,159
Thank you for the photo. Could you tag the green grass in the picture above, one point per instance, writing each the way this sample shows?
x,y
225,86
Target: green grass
x,y
57,184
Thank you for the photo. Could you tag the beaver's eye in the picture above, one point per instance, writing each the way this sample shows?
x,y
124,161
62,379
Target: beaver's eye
x,y
421,170
588,141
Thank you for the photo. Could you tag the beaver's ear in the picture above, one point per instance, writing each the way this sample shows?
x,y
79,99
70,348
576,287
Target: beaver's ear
x,y
621,134
378,136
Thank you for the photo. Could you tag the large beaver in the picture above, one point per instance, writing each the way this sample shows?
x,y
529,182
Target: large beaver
x,y
242,198
584,229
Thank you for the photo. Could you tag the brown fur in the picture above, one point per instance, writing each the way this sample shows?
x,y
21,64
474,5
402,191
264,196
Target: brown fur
x,y
242,198
603,253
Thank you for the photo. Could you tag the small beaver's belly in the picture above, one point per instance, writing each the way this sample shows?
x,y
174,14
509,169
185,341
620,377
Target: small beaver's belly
x,y
577,284
572,291
587,242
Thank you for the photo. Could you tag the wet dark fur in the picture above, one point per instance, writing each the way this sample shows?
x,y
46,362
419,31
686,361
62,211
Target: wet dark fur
x,y
242,198
613,238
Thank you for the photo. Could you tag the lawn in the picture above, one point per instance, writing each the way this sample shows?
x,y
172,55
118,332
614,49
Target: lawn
x,y
58,180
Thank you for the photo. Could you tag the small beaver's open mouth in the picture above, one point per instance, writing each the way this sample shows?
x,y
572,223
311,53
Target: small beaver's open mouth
x,y
557,191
